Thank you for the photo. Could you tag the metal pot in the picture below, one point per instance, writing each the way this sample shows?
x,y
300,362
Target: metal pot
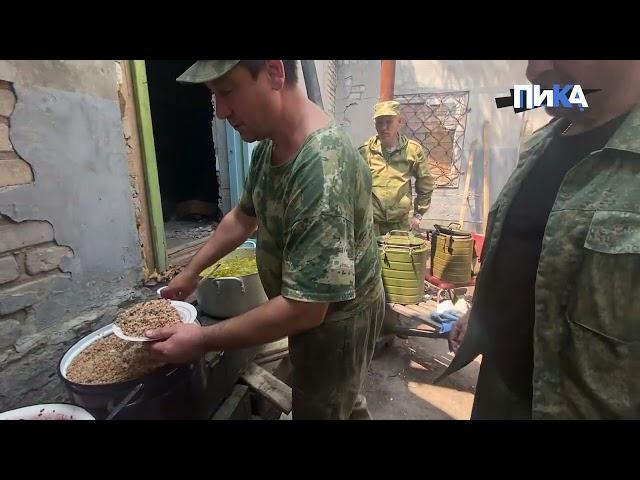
x,y
452,253
169,392
403,258
227,297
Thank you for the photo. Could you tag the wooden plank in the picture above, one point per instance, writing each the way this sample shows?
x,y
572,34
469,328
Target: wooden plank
x,y
145,128
136,165
271,353
236,407
430,306
486,182
425,316
404,311
418,316
423,313
269,386
417,332
273,347
182,260
187,251
282,370
192,249
271,358
187,246
467,184
427,327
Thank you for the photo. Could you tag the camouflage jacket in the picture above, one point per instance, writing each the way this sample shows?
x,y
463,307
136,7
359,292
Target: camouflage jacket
x,y
587,292
315,227
392,175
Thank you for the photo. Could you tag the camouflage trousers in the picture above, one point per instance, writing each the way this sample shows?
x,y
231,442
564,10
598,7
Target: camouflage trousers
x,y
383,228
330,365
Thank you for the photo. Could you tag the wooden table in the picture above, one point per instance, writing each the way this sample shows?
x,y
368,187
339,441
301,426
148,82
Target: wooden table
x,y
412,320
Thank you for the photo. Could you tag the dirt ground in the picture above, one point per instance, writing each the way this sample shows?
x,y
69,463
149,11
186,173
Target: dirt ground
x,y
399,385
179,232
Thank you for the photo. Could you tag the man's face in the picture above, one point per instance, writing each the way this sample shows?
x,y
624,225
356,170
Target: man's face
x,y
387,127
248,104
607,75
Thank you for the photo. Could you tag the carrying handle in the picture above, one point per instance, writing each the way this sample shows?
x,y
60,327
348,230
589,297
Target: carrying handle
x,y
402,232
123,402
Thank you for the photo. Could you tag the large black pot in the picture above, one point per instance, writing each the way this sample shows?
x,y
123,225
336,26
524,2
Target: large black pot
x,y
170,392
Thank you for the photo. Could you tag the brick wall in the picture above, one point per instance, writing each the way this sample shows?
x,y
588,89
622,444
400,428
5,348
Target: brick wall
x,y
29,267
13,170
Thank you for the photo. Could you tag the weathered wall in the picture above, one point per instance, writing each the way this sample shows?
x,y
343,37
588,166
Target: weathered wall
x,y
326,70
358,83
68,238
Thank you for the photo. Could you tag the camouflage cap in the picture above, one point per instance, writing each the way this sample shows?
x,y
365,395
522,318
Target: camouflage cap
x,y
390,107
206,70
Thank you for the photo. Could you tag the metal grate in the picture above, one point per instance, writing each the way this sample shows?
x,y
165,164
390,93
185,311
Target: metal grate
x,y
437,121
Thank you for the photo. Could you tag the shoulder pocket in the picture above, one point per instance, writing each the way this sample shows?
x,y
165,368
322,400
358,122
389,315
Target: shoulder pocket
x,y
614,233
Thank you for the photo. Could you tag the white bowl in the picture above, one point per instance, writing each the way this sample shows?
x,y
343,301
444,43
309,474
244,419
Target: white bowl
x,y
48,411
187,312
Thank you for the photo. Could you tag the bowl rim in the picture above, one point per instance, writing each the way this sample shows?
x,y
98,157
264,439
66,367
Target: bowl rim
x,y
83,410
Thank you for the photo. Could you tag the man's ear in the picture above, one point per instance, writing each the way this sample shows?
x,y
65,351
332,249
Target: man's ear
x,y
275,71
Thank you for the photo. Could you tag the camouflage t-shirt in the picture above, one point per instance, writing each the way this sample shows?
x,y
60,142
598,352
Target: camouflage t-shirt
x,y
315,223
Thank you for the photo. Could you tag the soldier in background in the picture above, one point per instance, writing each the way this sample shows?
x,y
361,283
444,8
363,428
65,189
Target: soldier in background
x,y
394,160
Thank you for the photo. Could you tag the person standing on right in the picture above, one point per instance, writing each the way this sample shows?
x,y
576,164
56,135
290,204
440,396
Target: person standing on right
x,y
556,313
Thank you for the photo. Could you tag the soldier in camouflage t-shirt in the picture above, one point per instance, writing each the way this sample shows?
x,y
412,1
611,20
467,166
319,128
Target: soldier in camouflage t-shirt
x,y
313,215
309,194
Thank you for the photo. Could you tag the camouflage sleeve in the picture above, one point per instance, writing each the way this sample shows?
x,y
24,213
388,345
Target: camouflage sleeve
x,y
318,263
424,182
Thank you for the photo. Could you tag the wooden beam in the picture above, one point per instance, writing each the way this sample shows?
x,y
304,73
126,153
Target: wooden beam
x,y
269,387
271,358
236,407
136,164
467,184
195,246
145,128
486,183
269,349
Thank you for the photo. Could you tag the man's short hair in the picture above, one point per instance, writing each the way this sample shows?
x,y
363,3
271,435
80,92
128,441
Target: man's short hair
x,y
290,69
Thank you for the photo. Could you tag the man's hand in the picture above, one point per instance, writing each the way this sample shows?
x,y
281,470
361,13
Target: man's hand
x,y
414,223
180,343
458,332
183,285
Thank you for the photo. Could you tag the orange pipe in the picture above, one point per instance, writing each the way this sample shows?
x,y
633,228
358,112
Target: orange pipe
x,y
387,79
